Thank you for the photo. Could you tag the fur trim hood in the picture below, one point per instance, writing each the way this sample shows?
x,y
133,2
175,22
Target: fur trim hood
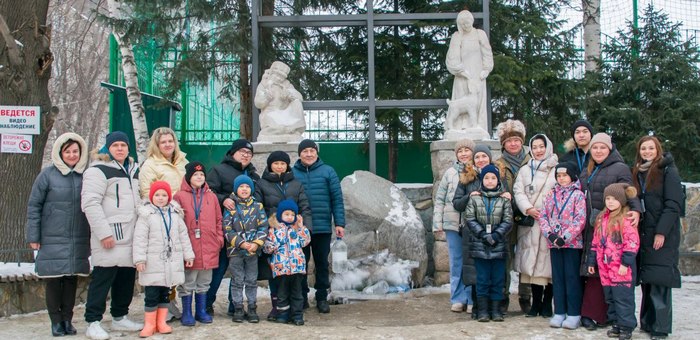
x,y
56,154
570,145
550,158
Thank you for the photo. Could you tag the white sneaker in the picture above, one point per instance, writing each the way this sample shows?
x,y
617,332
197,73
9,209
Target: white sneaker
x,y
126,325
457,307
95,331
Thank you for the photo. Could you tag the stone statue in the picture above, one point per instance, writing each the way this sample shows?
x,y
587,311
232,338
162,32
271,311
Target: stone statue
x,y
470,60
281,111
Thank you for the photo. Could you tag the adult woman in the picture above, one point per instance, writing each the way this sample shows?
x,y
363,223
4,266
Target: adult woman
x,y
165,162
659,186
277,184
58,229
446,220
532,261
604,168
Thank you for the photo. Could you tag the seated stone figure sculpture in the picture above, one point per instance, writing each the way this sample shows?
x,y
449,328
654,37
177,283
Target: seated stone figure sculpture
x,y
282,114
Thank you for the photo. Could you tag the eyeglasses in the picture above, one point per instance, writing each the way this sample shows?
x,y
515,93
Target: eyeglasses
x,y
246,152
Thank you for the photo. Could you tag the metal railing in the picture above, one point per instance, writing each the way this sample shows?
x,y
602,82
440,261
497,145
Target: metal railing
x,y
18,254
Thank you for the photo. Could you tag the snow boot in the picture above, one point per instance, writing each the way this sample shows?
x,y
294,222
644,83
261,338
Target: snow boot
x,y
557,320
253,313
161,319
496,311
482,304
536,308
273,312
547,302
200,313
571,322
149,325
187,317
238,314
614,332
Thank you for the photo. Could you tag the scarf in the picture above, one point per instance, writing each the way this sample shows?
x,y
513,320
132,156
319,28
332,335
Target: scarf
x,y
515,161
644,167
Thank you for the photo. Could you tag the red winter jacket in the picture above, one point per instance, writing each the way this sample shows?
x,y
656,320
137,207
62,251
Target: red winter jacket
x,y
609,253
207,247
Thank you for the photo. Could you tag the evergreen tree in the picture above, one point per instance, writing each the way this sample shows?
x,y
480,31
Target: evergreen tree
x,y
651,86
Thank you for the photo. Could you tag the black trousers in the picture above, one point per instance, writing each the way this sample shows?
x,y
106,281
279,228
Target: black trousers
x,y
320,247
60,297
289,295
657,313
156,297
620,300
115,281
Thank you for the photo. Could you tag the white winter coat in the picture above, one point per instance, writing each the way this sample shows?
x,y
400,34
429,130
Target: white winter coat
x,y
150,241
532,254
445,217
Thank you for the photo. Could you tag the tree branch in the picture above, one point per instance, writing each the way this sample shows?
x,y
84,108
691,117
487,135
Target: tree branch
x,y
12,49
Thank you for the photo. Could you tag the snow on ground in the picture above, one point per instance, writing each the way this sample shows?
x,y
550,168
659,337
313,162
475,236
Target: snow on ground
x,y
12,268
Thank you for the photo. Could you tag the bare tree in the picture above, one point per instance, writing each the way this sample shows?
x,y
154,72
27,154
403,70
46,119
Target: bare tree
x,y
25,68
591,34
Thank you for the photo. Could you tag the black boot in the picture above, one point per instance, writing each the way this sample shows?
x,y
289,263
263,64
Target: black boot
x,y
273,312
496,311
588,324
482,304
68,327
547,302
253,314
613,332
525,304
475,301
57,329
536,308
238,314
504,305
625,333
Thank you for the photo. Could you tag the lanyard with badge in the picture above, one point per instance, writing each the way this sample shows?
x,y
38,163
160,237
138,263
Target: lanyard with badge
x,y
533,170
489,204
168,251
559,211
197,210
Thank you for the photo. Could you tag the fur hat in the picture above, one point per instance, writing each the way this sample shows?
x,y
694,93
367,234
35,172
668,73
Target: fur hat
x,y
243,179
579,123
116,136
602,137
465,143
158,185
193,167
239,144
307,143
621,192
569,168
277,156
511,128
287,204
482,148
490,169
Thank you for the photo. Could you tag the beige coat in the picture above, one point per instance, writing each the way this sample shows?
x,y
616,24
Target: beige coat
x,y
532,255
157,168
150,241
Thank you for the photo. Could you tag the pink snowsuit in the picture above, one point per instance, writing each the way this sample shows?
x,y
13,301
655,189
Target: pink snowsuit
x,y
610,253
566,217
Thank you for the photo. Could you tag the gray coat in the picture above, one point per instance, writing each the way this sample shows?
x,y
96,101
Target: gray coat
x,y
54,218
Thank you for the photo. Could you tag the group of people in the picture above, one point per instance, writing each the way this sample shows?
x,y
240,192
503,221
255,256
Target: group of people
x,y
180,227
581,230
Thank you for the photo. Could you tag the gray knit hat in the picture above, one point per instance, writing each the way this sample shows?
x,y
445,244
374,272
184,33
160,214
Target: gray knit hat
x,y
602,137
483,148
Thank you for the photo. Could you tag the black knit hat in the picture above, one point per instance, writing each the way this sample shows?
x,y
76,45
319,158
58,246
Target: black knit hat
x,y
193,167
307,143
239,144
579,123
570,168
276,156
116,136
490,169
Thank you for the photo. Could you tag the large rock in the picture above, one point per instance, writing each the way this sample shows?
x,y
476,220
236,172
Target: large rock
x,y
441,255
378,216
441,278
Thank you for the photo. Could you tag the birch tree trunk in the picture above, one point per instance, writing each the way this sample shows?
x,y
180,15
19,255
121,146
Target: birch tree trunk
x,y
25,69
131,81
591,34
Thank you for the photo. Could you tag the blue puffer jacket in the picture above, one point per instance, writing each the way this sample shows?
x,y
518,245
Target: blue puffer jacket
x,y
322,187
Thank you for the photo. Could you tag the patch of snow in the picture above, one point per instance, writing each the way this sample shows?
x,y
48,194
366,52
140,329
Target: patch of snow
x,y
691,185
353,178
369,270
400,215
11,268
413,185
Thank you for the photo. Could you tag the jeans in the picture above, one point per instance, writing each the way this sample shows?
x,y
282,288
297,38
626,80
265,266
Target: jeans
x,y
118,280
321,248
459,293
566,281
490,278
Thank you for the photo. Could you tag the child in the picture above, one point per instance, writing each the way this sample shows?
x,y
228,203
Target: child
x,y
285,241
614,248
203,220
245,229
160,247
562,221
489,218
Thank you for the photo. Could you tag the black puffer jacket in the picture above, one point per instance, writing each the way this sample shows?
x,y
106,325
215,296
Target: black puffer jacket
x,y
612,170
220,178
500,219
275,188
662,217
459,202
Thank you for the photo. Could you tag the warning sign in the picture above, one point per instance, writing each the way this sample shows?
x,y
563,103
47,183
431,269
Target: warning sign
x,y
20,119
16,143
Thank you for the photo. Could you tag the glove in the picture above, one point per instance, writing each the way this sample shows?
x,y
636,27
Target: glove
x,y
559,242
488,238
553,238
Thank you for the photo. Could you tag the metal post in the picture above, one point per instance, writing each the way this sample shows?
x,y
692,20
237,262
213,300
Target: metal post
x,y
370,79
255,74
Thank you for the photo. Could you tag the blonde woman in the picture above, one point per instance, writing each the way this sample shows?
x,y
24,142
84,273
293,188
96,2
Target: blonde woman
x,y
164,162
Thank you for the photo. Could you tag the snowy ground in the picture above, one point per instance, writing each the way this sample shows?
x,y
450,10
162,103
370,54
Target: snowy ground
x,y
420,314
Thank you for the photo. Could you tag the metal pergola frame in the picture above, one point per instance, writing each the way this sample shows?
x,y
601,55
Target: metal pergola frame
x,y
368,20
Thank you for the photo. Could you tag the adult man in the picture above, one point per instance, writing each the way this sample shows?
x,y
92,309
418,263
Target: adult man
x,y
110,196
220,180
511,134
322,187
577,147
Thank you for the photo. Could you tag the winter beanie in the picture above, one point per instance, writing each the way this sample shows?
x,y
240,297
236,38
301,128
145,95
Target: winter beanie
x,y
483,148
239,144
243,179
307,143
492,169
621,192
193,167
569,168
579,123
602,137
116,136
157,185
465,143
287,204
277,156
511,129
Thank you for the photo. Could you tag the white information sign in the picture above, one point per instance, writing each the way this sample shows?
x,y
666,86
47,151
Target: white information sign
x,y
16,143
20,119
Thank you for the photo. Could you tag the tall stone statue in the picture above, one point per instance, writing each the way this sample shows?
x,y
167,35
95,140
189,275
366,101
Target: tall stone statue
x,y
281,111
470,60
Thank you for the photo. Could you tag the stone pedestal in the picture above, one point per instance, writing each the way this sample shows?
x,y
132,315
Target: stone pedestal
x,y
263,150
474,134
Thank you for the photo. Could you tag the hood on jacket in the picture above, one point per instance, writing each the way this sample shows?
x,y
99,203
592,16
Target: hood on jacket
x,y
575,185
275,178
467,172
666,160
550,158
570,145
56,153
187,188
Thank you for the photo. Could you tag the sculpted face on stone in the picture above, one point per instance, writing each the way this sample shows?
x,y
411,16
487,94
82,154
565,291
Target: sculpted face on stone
x,y
280,104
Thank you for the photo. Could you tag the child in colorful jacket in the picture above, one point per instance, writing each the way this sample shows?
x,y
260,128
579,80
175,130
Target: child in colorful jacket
x,y
614,249
245,229
562,221
285,241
